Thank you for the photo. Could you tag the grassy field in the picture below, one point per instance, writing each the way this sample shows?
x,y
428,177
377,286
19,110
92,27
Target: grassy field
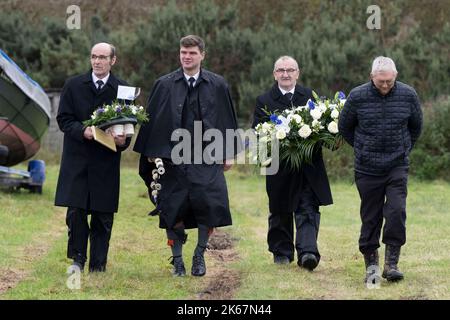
x,y
33,239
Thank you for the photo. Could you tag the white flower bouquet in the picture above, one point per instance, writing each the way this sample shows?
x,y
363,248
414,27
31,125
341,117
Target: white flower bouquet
x,y
300,130
127,115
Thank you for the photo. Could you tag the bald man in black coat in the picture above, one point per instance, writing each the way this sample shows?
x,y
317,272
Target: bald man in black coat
x,y
293,195
89,176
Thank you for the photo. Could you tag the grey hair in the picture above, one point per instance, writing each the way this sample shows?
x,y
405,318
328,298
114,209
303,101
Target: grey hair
x,y
113,50
382,64
282,58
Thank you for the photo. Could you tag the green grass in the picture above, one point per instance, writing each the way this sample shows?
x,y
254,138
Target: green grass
x,y
424,259
33,243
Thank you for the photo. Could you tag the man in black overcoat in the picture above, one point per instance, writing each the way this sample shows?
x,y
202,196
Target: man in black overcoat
x,y
293,195
88,182
188,103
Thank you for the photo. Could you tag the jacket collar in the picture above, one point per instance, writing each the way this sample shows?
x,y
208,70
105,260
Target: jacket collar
x,y
112,80
179,75
375,89
277,95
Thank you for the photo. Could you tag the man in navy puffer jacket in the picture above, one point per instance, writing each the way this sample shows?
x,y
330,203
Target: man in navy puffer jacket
x,y
382,120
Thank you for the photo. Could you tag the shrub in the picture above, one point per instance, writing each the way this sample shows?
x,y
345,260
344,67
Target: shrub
x,y
430,159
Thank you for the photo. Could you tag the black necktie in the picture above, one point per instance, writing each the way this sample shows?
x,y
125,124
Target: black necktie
x,y
288,95
99,85
191,83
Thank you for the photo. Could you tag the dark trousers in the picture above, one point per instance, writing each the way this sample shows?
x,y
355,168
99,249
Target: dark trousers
x,y
99,234
307,219
382,197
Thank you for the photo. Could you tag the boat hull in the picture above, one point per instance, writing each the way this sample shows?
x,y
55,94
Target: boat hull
x,y
24,113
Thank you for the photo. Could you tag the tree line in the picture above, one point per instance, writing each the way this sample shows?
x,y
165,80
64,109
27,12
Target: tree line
x,y
329,39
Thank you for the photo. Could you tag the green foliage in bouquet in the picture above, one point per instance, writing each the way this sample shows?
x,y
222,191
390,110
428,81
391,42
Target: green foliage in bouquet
x,y
115,111
301,130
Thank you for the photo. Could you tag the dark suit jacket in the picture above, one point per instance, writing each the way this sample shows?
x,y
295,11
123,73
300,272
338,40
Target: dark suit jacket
x,y
89,173
284,187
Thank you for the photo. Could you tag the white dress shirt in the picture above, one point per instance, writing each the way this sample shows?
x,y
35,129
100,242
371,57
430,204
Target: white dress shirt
x,y
95,79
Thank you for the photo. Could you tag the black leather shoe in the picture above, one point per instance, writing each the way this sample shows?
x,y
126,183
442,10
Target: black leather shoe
x,y
308,261
281,259
198,266
178,266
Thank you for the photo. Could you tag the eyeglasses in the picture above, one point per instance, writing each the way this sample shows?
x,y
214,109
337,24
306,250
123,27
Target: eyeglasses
x,y
387,82
289,71
101,58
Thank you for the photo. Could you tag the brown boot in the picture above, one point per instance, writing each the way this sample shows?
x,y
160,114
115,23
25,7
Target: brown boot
x,y
391,272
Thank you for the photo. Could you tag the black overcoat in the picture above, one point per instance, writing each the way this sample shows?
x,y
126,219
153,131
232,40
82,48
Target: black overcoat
x,y
283,188
89,173
196,194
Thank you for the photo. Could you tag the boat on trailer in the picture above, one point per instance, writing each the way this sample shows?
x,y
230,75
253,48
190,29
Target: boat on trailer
x,y
24,119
